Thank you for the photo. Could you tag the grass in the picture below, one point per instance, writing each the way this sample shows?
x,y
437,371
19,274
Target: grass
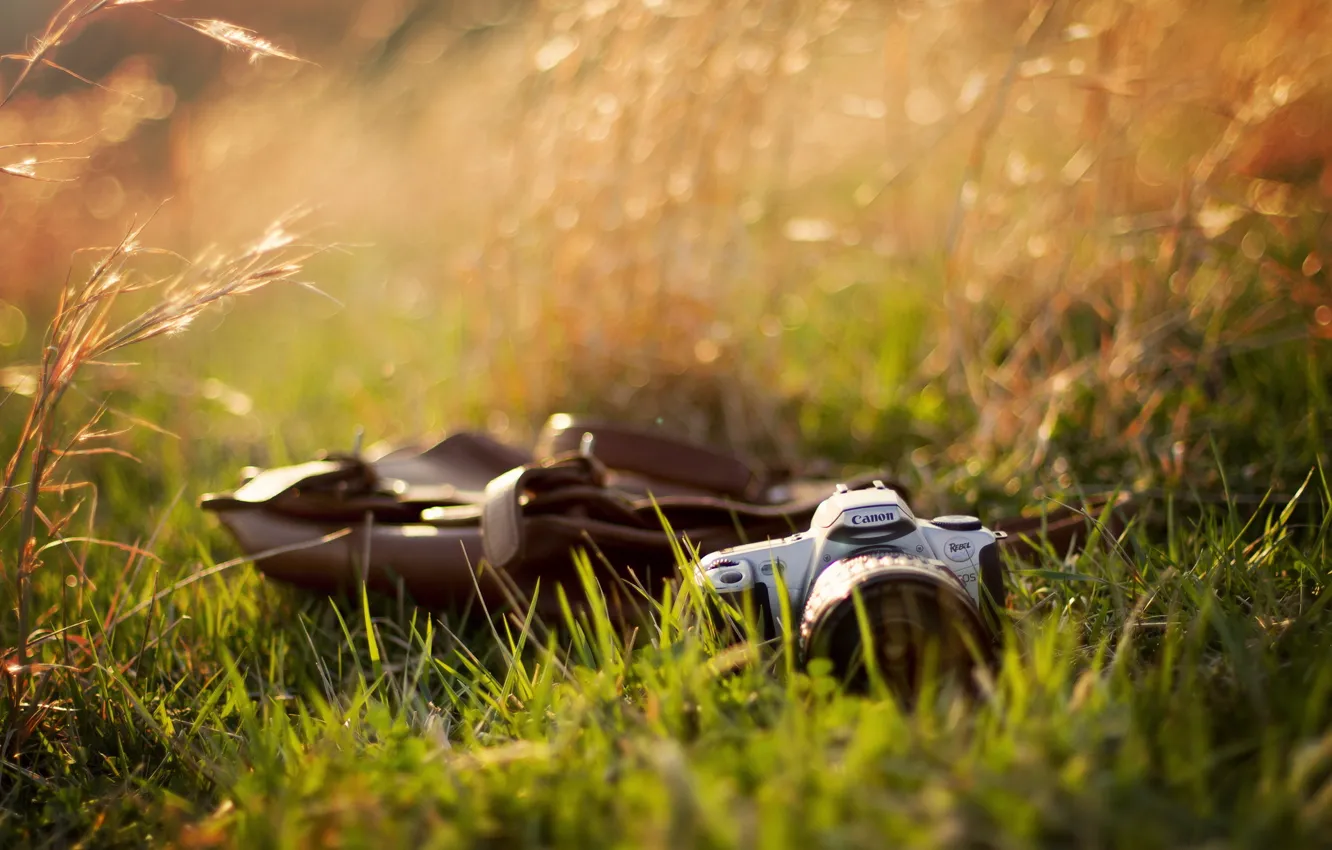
x,y
771,276
1180,700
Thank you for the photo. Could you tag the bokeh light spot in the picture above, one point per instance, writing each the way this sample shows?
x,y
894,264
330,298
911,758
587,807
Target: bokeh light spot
x,y
706,351
924,107
1253,245
104,197
13,324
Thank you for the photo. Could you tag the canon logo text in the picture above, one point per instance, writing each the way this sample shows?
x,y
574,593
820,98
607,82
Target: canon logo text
x,y
873,519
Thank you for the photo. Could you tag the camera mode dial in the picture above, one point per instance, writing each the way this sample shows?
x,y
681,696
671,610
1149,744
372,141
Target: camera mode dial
x,y
957,522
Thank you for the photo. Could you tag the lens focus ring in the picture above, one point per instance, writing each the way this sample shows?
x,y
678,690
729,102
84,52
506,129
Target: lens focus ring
x,y
916,609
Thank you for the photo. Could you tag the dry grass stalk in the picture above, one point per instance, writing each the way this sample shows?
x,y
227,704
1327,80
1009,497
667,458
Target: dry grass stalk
x,y
84,332
28,168
73,14
648,147
1154,186
85,329
1071,158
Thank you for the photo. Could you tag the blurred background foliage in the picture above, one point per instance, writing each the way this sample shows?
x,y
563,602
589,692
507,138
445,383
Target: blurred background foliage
x,y
1013,246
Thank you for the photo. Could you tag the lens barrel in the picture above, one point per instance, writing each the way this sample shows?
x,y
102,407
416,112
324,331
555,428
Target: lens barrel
x,y
920,617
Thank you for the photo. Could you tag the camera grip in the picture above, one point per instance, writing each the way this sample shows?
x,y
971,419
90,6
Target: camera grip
x,y
756,596
994,596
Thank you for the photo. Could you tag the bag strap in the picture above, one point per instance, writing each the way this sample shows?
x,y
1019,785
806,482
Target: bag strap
x,y
503,535
658,457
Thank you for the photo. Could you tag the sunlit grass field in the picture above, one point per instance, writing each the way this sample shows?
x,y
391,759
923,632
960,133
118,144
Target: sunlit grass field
x,y
1014,252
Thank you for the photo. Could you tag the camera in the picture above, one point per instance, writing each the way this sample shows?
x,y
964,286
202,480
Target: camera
x,y
929,590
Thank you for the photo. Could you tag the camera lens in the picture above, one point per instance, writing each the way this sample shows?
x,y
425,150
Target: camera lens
x,y
921,622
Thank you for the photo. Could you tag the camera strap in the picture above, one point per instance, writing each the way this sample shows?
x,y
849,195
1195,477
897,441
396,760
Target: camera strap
x,y
472,519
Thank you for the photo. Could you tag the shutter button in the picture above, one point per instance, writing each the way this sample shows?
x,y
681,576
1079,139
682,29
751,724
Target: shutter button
x,y
958,523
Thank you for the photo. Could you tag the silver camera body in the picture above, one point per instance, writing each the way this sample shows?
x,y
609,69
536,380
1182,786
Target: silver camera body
x,y
874,521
